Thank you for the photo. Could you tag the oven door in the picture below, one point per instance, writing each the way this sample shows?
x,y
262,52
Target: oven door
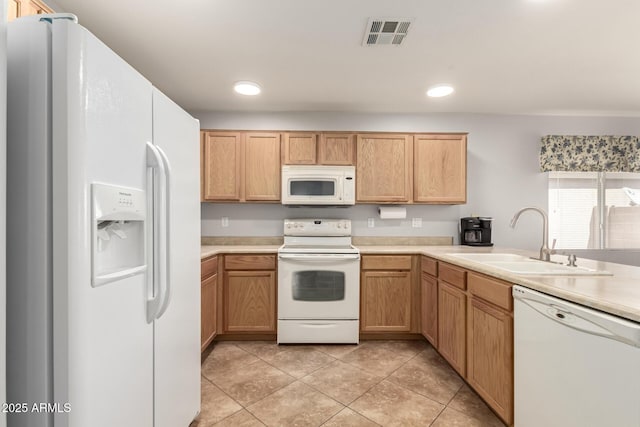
x,y
318,286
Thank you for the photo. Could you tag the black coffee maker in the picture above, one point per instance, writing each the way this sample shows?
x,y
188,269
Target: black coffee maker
x,y
475,231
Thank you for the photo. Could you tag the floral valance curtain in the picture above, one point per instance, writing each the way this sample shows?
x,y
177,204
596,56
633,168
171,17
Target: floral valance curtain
x,y
576,153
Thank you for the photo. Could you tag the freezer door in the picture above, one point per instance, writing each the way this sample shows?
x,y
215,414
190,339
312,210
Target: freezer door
x,y
102,342
177,328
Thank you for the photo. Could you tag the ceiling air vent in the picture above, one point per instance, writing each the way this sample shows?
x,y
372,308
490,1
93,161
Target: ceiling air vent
x,y
386,31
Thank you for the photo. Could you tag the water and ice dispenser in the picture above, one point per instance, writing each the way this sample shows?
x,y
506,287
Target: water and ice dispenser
x,y
118,233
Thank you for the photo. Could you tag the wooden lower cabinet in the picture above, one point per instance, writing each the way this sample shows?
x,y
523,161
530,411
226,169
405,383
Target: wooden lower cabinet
x,y
490,342
452,325
490,355
386,301
474,329
250,301
208,300
429,308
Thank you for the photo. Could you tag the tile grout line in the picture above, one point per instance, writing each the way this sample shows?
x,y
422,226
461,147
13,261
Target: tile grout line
x,y
387,378
334,360
246,408
276,390
377,383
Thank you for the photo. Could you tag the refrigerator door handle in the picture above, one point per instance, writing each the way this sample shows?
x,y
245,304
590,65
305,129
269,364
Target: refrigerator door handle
x,y
167,232
157,249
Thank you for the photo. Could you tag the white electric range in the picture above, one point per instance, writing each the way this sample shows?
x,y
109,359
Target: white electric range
x,y
318,283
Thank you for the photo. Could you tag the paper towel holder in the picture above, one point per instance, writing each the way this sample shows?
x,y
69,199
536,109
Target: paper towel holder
x,y
392,212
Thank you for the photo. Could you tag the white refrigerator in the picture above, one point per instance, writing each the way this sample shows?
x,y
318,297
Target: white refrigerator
x,y
3,199
103,242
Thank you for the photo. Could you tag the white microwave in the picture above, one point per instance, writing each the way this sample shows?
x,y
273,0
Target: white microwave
x,y
318,185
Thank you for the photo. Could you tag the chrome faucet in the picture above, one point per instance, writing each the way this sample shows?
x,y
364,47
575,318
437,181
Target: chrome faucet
x,y
545,252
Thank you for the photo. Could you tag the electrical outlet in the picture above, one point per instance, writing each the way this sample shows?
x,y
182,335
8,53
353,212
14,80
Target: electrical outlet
x,y
371,222
416,222
225,221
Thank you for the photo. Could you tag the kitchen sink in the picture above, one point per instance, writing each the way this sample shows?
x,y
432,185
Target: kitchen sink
x,y
519,264
491,257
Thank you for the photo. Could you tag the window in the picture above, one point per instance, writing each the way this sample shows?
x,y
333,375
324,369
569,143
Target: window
x,y
594,210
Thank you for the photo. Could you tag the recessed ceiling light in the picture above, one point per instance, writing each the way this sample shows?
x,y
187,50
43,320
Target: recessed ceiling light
x,y
439,91
247,88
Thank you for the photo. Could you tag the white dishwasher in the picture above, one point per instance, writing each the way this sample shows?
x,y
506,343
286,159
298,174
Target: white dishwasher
x,y
573,366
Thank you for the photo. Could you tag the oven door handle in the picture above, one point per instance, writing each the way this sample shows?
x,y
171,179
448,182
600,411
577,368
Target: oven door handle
x,y
320,258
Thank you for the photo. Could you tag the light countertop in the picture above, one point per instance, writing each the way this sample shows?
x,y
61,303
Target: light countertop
x,y
618,294
209,250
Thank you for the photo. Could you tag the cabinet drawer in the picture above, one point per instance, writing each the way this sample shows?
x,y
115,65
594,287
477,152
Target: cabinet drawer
x,y
453,275
492,290
250,262
208,267
386,262
429,266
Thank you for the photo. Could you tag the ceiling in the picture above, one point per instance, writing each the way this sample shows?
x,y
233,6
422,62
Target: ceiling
x,y
502,56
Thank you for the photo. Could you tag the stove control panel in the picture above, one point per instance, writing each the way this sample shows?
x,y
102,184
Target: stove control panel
x,y
317,227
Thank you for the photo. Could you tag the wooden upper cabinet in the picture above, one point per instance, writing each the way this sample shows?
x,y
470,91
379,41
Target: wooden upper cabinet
x,y
240,166
221,166
299,148
384,168
13,10
262,167
20,8
337,149
390,168
306,148
440,169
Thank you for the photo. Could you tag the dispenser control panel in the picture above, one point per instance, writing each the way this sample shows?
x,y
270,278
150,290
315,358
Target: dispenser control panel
x,y
125,203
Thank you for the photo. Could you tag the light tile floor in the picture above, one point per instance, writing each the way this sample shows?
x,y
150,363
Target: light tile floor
x,y
388,383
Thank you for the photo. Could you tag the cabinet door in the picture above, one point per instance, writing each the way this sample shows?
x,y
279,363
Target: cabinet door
x,y
221,165
490,356
300,148
429,309
386,301
31,7
250,301
337,149
440,169
262,166
14,10
452,325
384,168
208,301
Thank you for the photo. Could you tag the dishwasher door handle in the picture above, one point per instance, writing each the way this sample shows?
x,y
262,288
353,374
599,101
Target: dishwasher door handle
x,y
584,323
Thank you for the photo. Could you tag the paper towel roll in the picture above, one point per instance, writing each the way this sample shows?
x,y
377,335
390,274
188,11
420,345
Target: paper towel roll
x,y
392,212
